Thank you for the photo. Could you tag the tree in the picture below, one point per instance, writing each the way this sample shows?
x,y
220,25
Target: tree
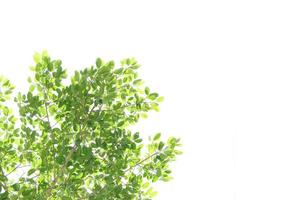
x,y
72,140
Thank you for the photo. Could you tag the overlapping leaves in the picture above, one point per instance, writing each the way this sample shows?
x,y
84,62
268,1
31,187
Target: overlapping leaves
x,y
72,140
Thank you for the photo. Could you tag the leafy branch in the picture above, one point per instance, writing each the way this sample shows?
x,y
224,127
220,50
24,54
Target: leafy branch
x,y
142,161
92,152
17,167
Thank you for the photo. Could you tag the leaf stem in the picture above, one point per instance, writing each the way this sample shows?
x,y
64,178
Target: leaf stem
x,y
140,162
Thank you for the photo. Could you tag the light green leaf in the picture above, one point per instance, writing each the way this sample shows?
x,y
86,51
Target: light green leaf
x,y
156,136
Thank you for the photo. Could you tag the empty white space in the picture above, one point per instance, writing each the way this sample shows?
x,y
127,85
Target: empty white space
x,y
229,71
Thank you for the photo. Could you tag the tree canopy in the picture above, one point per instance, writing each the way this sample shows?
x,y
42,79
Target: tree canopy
x,y
72,138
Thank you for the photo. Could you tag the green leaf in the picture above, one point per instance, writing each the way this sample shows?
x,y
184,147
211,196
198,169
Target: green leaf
x,y
99,62
3,196
135,66
155,107
29,80
26,193
37,57
153,96
77,76
138,82
16,186
119,71
156,136
177,152
147,90
145,185
31,171
144,115
160,99
160,145
166,178
31,88
136,135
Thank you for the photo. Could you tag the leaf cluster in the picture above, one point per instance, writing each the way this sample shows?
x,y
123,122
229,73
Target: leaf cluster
x,y
73,140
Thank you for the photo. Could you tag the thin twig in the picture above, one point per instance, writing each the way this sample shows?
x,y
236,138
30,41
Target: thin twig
x,y
54,125
140,162
46,107
17,167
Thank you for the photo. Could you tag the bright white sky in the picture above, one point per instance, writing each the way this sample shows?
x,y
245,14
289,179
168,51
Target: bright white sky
x,y
229,71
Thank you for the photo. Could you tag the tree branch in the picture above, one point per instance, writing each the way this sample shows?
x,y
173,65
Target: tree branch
x,y
46,107
69,156
17,167
140,162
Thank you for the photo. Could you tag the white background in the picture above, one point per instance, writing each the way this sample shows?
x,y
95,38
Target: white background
x,y
229,71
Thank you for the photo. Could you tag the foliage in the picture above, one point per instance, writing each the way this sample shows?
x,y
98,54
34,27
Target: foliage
x,y
73,140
